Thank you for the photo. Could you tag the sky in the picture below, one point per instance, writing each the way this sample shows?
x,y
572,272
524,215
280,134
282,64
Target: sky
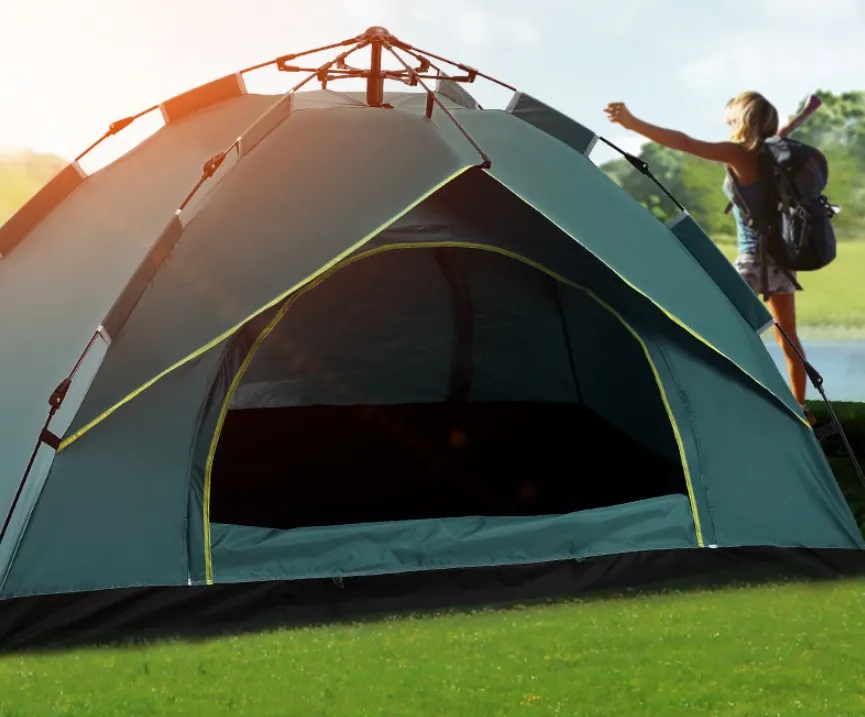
x,y
73,67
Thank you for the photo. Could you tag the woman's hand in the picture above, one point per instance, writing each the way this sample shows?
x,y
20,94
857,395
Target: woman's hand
x,y
619,113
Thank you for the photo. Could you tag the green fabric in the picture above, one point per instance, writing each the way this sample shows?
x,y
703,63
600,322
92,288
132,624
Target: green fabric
x,y
752,466
414,102
32,487
520,346
213,280
765,479
519,351
113,511
313,355
723,273
576,196
617,380
455,92
552,122
122,506
515,314
525,238
24,510
247,554
233,354
134,493
57,286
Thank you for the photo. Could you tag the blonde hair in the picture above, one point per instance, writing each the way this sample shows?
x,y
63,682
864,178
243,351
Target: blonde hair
x,y
755,119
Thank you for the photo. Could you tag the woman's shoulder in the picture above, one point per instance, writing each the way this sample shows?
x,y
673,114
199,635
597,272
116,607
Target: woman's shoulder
x,y
744,164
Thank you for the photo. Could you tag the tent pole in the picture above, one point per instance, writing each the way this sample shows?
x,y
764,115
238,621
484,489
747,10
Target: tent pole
x,y
643,168
834,426
15,500
375,77
45,435
433,99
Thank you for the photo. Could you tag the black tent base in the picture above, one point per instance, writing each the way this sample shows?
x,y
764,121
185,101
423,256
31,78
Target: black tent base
x,y
124,615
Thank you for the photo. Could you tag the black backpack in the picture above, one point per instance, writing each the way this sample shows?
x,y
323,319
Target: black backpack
x,y
794,219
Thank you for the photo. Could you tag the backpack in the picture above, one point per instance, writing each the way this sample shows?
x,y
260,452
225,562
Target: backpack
x,y
794,219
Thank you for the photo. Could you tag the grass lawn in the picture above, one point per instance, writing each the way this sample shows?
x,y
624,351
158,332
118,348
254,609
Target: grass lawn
x,y
780,650
833,300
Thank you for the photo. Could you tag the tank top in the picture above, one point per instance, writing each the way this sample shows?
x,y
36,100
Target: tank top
x,y
748,243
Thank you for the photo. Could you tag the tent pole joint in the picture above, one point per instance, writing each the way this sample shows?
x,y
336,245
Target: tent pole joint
x,y
46,436
432,97
376,36
58,395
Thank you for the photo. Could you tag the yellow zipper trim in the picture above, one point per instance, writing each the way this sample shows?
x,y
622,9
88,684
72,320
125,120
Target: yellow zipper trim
x,y
223,412
208,557
676,320
66,442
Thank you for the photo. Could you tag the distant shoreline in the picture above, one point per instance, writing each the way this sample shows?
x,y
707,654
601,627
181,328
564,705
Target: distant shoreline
x,y
827,333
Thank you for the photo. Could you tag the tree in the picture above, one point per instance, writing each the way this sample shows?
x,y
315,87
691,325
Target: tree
x,y
837,128
840,122
695,183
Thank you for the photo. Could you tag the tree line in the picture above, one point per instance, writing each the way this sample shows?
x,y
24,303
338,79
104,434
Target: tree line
x,y
22,174
837,128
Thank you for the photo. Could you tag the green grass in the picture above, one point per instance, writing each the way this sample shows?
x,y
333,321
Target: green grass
x,y
778,650
833,301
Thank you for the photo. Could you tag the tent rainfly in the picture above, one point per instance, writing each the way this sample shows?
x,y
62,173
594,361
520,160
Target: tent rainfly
x,y
393,350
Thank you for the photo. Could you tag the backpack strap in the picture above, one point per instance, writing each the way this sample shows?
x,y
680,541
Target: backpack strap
x,y
739,201
773,175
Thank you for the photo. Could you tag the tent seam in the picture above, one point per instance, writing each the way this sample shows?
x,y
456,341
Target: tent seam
x,y
191,458
686,407
220,422
672,317
66,442
54,590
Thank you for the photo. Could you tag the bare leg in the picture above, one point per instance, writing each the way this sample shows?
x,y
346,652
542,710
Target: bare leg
x,y
783,310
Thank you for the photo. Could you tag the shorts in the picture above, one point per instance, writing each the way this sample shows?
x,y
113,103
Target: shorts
x,y
748,266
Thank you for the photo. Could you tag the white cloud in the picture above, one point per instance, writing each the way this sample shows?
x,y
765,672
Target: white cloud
x,y
502,28
521,29
825,11
474,27
628,16
366,13
787,49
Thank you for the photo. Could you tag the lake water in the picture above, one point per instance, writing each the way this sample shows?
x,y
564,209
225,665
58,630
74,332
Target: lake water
x,y
841,363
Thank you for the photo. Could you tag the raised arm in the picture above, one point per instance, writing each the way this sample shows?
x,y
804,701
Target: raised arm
x,y
724,152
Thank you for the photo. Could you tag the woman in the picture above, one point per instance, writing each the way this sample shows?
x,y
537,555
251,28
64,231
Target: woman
x,y
752,119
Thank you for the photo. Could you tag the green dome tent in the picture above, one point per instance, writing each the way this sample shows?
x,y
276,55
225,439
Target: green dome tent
x,y
392,349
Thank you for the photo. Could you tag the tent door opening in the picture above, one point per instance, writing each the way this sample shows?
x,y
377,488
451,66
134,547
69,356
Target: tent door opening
x,y
367,464
297,449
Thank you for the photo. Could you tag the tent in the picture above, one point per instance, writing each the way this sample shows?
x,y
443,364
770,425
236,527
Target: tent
x,y
391,349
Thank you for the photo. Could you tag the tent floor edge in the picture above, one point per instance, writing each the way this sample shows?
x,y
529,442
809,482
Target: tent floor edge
x,y
198,612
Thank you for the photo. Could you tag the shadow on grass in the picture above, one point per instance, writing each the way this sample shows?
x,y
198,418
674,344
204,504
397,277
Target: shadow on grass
x,y
139,618
852,417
